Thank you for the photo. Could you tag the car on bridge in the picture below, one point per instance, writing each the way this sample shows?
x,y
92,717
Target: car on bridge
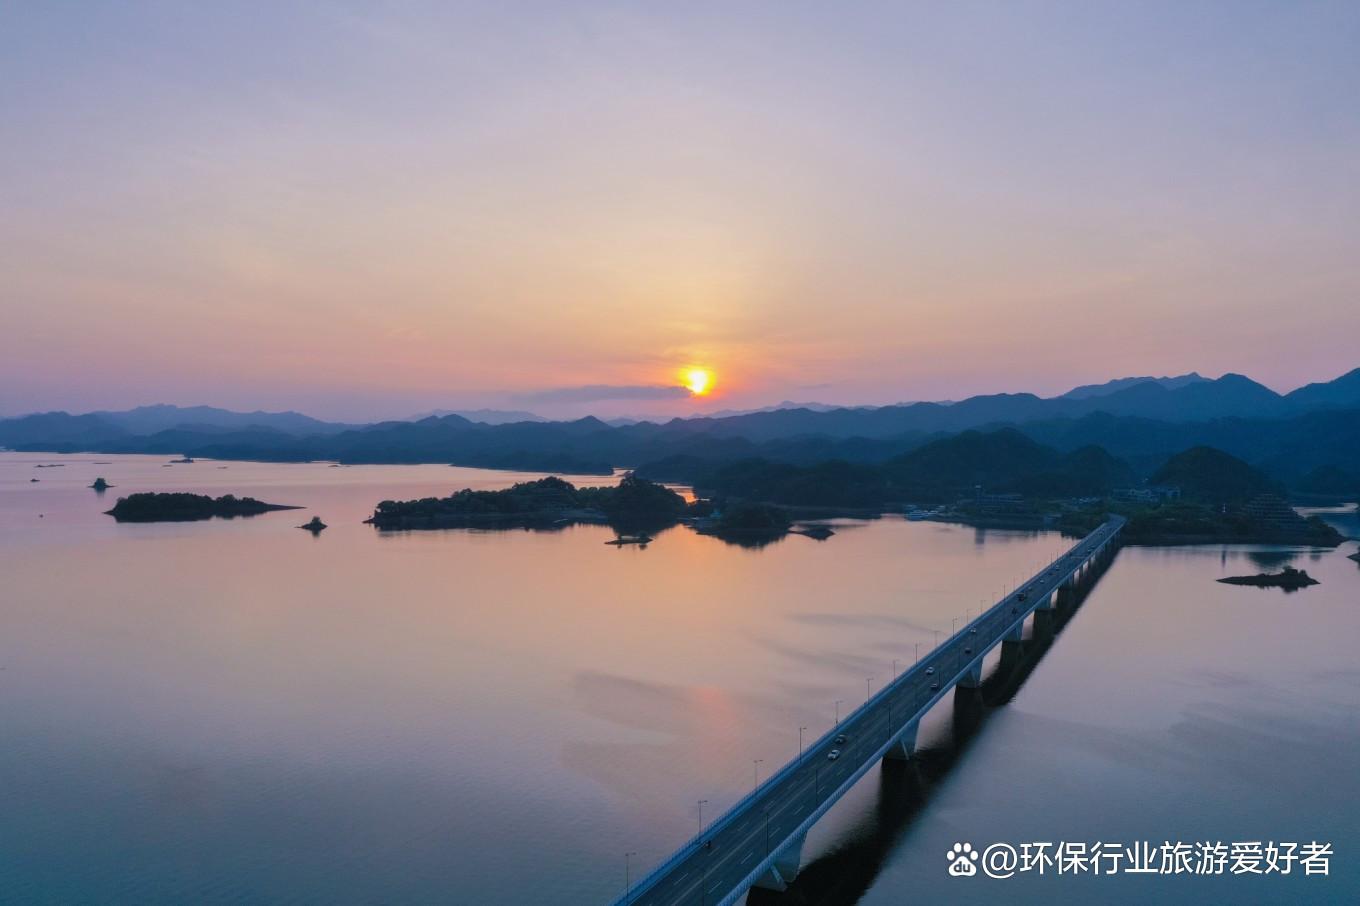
x,y
833,754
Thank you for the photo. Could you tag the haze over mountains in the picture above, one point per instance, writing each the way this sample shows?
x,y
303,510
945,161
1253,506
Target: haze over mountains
x,y
1140,420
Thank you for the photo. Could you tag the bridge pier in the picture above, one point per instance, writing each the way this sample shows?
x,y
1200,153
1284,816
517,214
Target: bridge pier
x,y
968,709
904,746
1012,653
972,677
785,868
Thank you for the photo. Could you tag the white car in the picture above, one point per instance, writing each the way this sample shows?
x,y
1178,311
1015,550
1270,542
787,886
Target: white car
x,y
833,754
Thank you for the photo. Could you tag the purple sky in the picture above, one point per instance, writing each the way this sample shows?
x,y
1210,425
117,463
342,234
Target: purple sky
x,y
361,213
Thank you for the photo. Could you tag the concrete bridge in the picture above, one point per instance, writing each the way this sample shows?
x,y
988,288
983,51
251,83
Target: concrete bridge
x,y
759,841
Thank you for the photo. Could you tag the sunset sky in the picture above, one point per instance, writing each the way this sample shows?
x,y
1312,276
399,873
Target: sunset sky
x,y
370,210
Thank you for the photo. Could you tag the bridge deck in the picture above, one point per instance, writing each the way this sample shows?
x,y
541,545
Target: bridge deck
x,y
746,842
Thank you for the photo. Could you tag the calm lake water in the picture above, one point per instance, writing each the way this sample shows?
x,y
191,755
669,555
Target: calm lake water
x,y
234,710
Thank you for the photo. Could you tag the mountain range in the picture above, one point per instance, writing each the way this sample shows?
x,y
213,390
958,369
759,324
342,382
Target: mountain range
x,y
1140,420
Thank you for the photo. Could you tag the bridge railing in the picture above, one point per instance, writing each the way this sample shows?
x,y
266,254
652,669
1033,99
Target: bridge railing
x,y
685,849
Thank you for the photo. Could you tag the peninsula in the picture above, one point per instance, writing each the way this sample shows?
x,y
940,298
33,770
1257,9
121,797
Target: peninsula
x,y
175,507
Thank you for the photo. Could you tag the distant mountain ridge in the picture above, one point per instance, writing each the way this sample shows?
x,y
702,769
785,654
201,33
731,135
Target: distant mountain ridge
x,y
1086,391
620,421
1343,392
160,417
1140,421
485,416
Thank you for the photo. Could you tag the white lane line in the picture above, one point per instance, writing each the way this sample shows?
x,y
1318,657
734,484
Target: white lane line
x,y
747,858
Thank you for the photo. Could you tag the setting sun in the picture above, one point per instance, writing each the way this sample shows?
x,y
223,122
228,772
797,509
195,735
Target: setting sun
x,y
698,380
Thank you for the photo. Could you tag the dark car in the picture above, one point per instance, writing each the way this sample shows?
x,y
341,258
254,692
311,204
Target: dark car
x,y
840,740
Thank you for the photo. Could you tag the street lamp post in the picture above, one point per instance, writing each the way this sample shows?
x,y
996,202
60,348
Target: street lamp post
x,y
755,773
867,693
838,711
918,652
627,874
800,744
702,803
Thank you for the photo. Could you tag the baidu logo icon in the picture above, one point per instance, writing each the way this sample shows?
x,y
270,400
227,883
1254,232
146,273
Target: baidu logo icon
x,y
961,859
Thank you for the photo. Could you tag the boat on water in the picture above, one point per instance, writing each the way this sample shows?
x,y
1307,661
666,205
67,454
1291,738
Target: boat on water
x,y
631,539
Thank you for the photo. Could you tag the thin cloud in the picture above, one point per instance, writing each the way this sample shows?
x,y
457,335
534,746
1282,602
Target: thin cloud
x,y
593,393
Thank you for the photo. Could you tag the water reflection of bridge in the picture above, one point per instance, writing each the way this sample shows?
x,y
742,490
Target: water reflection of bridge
x,y
759,841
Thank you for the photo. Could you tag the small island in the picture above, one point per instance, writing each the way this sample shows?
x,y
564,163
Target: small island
x,y
750,524
158,507
315,526
635,508
100,484
1287,578
746,520
634,504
